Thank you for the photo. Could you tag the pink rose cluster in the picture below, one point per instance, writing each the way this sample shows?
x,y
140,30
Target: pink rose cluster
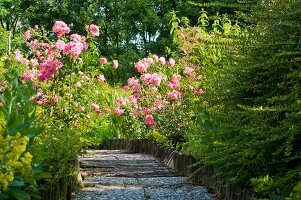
x,y
60,28
49,57
154,79
95,107
48,69
134,84
143,64
174,82
94,30
149,120
41,99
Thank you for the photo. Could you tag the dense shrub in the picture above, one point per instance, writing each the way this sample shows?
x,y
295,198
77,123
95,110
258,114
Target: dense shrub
x,y
249,115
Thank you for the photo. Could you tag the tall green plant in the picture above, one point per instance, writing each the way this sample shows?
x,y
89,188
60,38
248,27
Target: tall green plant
x,y
18,172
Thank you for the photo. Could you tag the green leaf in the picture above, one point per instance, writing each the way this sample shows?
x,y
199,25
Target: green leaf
x,y
18,193
42,175
12,118
16,183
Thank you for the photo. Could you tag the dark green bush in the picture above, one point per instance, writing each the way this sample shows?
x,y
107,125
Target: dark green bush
x,y
250,117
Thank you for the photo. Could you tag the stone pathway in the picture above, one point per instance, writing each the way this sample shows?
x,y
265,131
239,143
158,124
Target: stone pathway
x,y
121,175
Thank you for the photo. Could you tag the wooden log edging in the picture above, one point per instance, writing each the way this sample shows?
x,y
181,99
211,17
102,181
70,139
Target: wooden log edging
x,y
62,188
181,163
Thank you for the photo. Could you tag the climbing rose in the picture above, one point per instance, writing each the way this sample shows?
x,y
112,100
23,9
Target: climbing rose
x,y
27,35
99,112
115,64
60,44
118,111
101,78
126,88
103,61
29,75
174,82
156,58
93,29
198,91
78,84
94,106
171,62
147,111
162,60
48,69
60,28
151,79
75,37
74,49
134,83
74,123
34,63
142,66
149,120
175,95
188,70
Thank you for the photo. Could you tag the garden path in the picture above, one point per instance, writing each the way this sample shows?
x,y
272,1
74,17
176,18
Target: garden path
x,y
122,175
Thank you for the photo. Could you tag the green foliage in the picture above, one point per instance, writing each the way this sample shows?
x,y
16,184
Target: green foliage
x,y
18,112
249,116
296,193
18,174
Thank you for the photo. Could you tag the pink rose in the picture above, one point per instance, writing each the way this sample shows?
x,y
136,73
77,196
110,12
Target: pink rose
x,y
188,70
115,64
27,35
101,78
175,95
29,75
60,28
78,84
94,106
118,111
162,60
171,62
149,120
94,30
103,61
198,91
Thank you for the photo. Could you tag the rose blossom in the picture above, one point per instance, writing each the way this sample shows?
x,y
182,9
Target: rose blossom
x,y
149,120
101,78
94,106
29,75
60,28
115,64
162,60
93,29
198,91
103,61
118,111
188,70
78,84
174,82
27,35
171,62
175,95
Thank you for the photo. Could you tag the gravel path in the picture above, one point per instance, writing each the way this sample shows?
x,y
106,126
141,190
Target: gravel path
x,y
121,175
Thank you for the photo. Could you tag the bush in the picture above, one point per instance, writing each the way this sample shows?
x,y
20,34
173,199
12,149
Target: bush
x,y
249,113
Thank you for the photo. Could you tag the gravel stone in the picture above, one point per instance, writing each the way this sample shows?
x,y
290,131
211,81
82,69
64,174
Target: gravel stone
x,y
122,175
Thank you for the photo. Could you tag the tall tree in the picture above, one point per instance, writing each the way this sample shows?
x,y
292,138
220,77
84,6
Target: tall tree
x,y
11,12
